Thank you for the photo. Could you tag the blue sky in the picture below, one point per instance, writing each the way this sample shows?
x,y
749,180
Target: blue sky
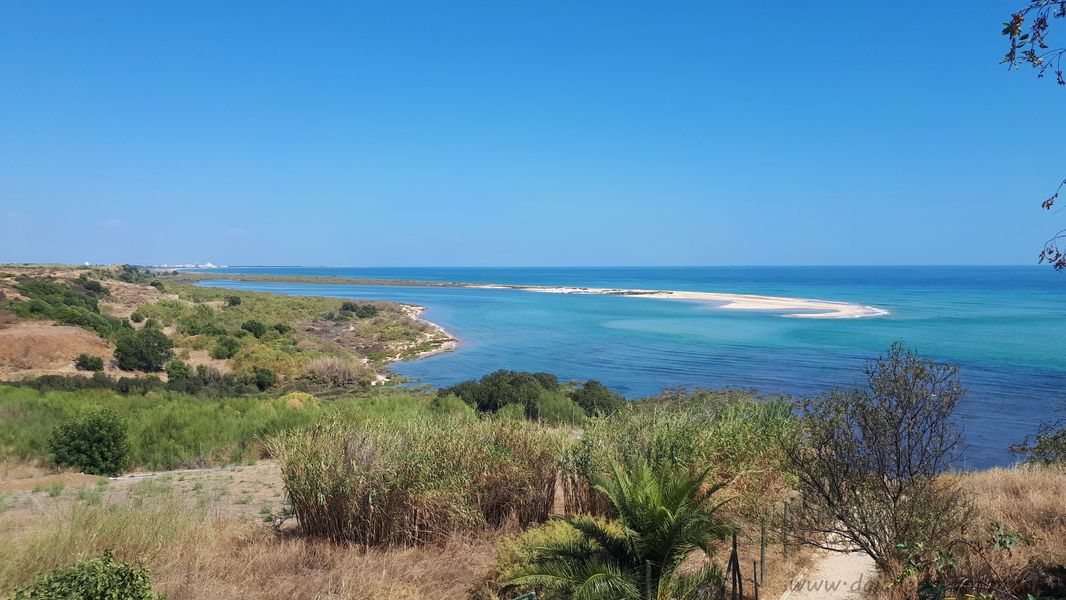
x,y
521,133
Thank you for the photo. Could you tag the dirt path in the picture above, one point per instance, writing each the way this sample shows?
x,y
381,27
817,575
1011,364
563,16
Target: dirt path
x,y
833,576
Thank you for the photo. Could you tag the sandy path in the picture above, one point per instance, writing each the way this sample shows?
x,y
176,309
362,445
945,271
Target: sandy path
x,y
833,576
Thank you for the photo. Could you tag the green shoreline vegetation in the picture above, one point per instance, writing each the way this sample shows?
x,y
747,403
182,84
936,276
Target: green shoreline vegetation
x,y
569,486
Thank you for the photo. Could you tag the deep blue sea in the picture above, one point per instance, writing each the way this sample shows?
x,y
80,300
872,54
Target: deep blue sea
x,y
1004,326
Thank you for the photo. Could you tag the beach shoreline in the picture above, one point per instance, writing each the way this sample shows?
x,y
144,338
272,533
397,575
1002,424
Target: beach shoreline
x,y
796,308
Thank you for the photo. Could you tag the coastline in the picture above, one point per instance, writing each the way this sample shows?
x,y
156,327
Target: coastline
x,y
805,308
446,342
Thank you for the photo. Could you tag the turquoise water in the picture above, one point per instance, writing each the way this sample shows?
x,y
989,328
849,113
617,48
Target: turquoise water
x,y
1004,327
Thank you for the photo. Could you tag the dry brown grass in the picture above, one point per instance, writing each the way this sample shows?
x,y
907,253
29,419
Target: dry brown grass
x,y
1028,500
196,551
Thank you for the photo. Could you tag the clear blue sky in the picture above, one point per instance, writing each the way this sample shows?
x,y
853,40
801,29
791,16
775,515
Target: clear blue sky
x,y
522,133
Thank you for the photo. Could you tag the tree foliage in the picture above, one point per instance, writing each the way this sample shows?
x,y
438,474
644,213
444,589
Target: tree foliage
x,y
1028,32
147,349
869,460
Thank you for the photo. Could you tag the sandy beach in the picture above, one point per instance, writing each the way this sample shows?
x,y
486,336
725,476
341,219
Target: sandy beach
x,y
807,309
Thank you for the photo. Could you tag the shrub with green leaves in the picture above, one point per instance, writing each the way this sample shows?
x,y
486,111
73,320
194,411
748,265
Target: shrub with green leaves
x,y
596,399
102,578
501,388
96,444
256,328
233,300
88,362
264,378
147,349
226,347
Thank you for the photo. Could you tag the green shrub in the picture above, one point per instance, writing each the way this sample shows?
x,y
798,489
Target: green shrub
x,y
256,328
88,362
359,311
264,378
101,578
226,347
283,329
146,350
137,317
178,370
502,388
96,444
157,285
233,300
596,399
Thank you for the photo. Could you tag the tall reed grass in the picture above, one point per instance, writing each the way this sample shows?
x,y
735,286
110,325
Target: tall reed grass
x,y
738,438
417,481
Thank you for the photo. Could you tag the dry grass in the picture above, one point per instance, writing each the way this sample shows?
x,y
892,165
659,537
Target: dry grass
x,y
195,555
1028,500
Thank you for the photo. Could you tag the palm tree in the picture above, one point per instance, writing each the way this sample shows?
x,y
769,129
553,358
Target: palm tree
x,y
663,517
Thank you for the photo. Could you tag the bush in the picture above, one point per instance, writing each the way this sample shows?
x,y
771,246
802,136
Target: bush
x,y
359,311
136,317
178,370
418,480
88,362
256,328
264,378
596,399
226,347
233,300
157,285
96,444
146,350
502,388
101,578
870,460
283,329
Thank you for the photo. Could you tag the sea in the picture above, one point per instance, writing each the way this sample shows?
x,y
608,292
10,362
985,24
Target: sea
x,y
1004,327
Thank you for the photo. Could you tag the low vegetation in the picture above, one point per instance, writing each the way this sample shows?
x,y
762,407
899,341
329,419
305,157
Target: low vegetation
x,y
169,430
417,481
664,516
538,396
92,579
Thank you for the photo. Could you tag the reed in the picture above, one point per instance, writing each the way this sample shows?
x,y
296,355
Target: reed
x,y
418,481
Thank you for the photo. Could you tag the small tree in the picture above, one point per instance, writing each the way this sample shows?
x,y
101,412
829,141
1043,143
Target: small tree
x,y
869,460
596,398
96,444
101,578
88,362
146,350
